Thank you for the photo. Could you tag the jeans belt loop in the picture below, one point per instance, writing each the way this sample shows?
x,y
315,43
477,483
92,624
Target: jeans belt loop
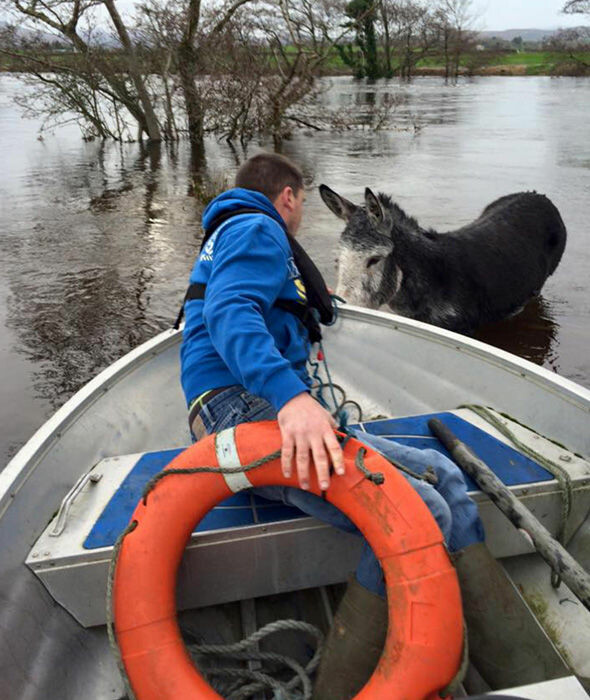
x,y
198,405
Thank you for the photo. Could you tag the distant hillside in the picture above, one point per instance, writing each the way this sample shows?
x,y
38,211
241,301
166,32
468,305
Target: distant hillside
x,y
98,36
526,34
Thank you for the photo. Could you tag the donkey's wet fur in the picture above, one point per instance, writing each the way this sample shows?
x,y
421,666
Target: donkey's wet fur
x,y
482,272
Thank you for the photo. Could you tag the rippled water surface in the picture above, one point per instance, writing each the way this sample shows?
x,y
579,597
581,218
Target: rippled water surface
x,y
97,240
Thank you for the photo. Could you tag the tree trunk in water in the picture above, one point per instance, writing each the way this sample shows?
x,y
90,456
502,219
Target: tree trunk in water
x,y
408,58
192,98
371,48
458,49
170,129
387,70
187,69
152,127
197,169
275,126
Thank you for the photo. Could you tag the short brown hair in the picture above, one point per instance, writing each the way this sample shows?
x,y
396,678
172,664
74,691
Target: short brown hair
x,y
269,173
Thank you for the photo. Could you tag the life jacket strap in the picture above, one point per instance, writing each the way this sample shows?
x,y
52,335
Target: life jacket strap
x,y
197,290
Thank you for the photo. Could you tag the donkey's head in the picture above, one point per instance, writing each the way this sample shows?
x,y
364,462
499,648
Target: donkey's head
x,y
367,273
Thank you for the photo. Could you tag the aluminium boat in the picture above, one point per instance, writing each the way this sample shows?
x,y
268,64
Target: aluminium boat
x,y
70,491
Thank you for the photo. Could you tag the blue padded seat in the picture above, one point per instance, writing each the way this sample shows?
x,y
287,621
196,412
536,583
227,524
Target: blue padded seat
x,y
244,509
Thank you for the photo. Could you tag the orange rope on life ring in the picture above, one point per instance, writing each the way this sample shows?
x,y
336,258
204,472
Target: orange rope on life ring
x,y
425,630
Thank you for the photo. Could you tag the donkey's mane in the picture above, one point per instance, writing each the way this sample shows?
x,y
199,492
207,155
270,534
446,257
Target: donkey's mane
x,y
398,216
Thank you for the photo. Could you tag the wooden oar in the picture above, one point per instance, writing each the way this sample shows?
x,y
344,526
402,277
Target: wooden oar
x,y
558,558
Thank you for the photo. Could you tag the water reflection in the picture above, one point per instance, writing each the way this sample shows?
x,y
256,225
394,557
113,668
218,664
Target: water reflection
x,y
367,98
98,239
72,326
531,334
423,102
80,290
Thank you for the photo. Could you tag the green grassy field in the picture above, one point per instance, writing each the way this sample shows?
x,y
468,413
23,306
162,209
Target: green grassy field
x,y
524,63
533,63
527,59
538,62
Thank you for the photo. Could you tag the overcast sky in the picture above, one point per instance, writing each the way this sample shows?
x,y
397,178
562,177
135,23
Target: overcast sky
x,y
491,14
525,14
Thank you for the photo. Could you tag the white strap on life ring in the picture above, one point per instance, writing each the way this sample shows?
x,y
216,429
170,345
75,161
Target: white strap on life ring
x,y
227,456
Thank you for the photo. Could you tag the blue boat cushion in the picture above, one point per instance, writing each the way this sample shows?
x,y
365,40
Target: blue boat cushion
x,y
508,464
240,509
245,509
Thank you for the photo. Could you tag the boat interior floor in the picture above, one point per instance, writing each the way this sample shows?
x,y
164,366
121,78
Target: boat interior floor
x,y
301,564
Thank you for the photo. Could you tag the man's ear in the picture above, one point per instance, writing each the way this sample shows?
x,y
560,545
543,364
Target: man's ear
x,y
337,204
285,198
290,196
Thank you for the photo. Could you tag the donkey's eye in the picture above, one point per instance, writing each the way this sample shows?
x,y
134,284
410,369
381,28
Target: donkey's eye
x,y
373,260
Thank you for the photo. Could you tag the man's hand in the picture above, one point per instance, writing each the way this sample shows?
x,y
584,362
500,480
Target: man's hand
x,y
306,426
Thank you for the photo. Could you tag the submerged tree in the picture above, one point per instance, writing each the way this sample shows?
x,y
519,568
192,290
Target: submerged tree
x,y
187,68
116,77
158,29
455,22
408,30
574,42
190,60
101,78
265,72
362,55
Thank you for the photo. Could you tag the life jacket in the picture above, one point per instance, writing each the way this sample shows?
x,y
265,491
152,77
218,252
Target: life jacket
x,y
318,307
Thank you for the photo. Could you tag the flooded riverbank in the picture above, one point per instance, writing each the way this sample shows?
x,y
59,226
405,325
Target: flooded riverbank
x,y
97,240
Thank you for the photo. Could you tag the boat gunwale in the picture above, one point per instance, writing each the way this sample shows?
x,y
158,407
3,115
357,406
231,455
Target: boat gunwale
x,y
517,365
13,476
23,464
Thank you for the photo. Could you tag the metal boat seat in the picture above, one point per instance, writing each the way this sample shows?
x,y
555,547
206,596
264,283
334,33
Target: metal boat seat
x,y
248,547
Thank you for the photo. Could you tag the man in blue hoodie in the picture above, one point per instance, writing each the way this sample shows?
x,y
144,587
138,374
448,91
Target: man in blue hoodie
x,y
243,359
237,336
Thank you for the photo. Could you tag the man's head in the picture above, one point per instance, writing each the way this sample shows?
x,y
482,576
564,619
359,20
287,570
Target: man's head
x,y
280,180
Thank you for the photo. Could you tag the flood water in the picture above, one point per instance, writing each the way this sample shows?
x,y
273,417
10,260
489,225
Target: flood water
x,y
96,240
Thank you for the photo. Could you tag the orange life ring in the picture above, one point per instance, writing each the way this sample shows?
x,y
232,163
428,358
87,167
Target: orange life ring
x,y
425,633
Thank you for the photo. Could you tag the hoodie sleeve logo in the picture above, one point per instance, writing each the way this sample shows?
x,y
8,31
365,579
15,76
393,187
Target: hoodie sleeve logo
x,y
207,252
293,269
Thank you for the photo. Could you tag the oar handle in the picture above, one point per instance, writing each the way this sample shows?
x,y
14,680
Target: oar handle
x,y
558,558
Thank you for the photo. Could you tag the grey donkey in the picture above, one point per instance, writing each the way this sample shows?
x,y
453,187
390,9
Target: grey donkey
x,y
479,273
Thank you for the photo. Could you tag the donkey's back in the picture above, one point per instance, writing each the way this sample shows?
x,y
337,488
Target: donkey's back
x,y
512,248
527,219
460,279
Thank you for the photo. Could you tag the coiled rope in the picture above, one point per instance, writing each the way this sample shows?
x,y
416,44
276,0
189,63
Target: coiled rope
x,y
240,651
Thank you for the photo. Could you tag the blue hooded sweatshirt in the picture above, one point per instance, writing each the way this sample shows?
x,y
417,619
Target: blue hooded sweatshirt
x,y
235,335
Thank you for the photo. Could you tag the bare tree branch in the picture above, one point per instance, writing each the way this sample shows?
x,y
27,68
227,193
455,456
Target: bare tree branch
x,y
576,7
228,16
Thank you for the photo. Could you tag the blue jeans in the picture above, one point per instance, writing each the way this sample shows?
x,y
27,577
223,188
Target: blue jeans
x,y
453,510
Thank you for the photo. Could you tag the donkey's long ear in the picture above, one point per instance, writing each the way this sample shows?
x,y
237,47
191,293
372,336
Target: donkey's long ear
x,y
337,204
374,208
